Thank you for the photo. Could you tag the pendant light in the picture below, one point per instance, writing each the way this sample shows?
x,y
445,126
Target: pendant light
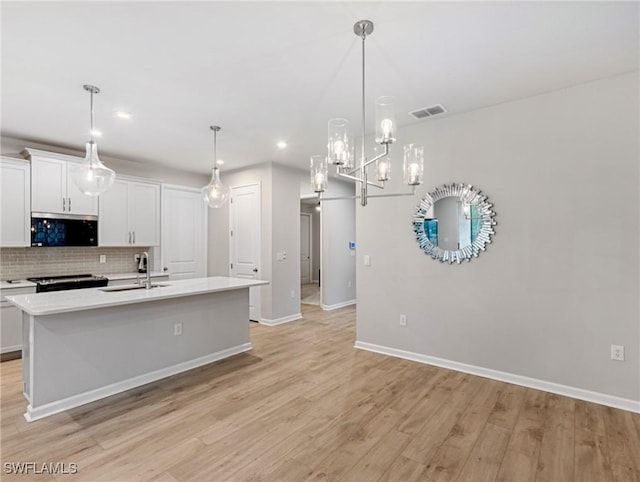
x,y
91,176
215,193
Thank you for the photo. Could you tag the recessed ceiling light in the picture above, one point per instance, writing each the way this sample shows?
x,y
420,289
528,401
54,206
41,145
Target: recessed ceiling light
x,y
96,133
281,144
123,114
219,162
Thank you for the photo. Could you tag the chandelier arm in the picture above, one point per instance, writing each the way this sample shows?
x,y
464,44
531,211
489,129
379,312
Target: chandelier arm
x,y
354,178
395,194
371,161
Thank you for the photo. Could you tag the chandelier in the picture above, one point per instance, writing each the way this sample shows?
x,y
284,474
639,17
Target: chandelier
x,y
341,147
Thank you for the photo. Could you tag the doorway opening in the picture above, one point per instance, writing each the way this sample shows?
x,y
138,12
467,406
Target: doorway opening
x,y
309,251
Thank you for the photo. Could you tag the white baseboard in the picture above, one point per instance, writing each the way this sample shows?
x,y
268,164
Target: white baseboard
x,y
280,321
337,305
9,349
93,395
573,392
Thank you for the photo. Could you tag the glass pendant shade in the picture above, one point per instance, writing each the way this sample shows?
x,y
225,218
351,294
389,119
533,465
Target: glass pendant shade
x,y
91,176
386,125
338,142
215,193
383,165
318,173
413,164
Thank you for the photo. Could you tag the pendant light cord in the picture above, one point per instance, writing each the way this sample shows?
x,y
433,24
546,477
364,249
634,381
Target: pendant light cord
x,y
362,158
91,118
215,148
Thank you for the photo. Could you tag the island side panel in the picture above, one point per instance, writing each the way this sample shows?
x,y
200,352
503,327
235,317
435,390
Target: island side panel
x,y
79,352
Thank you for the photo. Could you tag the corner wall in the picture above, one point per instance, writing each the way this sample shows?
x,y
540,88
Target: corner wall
x,y
560,282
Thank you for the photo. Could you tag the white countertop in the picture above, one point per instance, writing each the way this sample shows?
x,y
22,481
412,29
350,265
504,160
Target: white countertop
x,y
18,283
90,298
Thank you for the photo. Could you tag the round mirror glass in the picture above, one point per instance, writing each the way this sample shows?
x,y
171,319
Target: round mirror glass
x,y
453,223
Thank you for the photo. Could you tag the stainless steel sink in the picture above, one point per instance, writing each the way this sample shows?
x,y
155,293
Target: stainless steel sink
x,y
131,287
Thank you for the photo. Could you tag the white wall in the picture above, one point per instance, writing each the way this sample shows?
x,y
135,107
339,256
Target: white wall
x,y
338,272
560,282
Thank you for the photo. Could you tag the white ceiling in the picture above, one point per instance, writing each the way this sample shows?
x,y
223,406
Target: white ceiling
x,y
269,71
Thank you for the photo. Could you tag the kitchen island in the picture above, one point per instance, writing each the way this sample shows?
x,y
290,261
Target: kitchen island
x,y
83,345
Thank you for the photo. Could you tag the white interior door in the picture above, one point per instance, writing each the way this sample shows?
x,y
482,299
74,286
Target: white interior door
x,y
184,228
244,240
305,248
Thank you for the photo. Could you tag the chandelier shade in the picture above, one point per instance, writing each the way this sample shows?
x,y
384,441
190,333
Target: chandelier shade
x,y
319,173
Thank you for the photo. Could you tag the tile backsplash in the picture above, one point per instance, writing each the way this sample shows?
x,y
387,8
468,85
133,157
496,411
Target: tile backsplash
x,y
21,263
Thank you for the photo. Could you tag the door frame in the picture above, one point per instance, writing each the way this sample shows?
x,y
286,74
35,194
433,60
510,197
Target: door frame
x,y
205,225
309,260
257,290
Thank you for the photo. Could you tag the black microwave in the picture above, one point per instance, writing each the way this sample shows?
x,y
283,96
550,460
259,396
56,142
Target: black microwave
x,y
57,230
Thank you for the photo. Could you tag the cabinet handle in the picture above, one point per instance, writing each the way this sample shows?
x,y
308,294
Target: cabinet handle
x,y
69,203
64,202
129,233
134,237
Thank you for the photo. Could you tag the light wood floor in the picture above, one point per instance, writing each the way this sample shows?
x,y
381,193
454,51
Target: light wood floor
x,y
310,294
306,405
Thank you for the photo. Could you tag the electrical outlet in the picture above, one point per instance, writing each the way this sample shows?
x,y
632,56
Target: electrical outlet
x,y
367,260
349,284
103,258
293,294
617,352
177,329
403,320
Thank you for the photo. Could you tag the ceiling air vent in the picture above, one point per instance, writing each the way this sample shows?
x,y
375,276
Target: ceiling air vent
x,y
428,111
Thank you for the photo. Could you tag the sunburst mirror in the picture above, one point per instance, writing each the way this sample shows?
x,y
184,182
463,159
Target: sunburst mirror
x,y
454,223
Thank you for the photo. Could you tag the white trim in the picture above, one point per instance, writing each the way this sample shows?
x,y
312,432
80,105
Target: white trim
x,y
280,321
9,349
93,395
310,247
573,392
337,305
315,281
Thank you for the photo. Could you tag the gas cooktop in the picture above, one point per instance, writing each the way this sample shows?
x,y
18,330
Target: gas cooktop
x,y
68,282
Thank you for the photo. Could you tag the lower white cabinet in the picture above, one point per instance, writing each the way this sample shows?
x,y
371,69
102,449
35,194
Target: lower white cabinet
x,y
130,214
15,199
11,320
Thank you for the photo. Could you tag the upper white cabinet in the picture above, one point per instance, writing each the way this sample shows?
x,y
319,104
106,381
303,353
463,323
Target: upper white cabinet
x,y
53,190
15,199
130,214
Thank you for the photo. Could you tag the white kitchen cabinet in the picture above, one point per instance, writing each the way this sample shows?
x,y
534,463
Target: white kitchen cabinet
x,y
15,203
11,320
130,214
53,190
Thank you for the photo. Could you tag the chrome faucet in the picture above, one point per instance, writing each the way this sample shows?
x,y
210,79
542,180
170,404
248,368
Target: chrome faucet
x,y
145,257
